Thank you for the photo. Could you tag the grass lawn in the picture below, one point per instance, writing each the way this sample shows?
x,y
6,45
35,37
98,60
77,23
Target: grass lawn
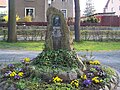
x,y
96,46
84,45
32,46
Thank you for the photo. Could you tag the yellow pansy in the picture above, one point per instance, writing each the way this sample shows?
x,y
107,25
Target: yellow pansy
x,y
96,62
57,79
75,83
96,80
91,62
20,74
84,77
27,59
12,74
101,80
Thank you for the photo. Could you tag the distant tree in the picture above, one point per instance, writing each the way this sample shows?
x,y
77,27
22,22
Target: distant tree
x,y
77,20
12,36
89,10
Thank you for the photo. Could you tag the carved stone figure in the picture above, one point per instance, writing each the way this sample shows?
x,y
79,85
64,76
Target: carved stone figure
x,y
56,21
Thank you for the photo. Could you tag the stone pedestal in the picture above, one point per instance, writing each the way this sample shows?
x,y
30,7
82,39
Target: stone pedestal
x,y
58,34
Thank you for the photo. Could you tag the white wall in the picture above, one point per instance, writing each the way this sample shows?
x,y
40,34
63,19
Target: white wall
x,y
114,6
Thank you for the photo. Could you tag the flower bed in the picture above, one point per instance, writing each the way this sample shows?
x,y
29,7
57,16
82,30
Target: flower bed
x,y
39,75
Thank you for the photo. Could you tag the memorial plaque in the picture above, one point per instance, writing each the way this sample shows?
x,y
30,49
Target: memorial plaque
x,y
56,21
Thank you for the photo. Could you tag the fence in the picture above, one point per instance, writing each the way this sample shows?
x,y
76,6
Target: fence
x,y
26,24
36,33
26,33
109,21
100,35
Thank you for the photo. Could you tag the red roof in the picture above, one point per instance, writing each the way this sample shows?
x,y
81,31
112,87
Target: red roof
x,y
3,3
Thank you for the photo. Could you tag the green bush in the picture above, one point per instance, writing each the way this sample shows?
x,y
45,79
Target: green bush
x,y
60,58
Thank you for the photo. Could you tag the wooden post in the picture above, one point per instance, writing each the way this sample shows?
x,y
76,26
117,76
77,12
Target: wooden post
x,y
12,36
77,20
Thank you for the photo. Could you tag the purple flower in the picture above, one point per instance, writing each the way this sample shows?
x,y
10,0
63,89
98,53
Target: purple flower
x,y
9,72
20,69
101,73
22,61
87,82
10,65
17,77
90,74
97,68
6,74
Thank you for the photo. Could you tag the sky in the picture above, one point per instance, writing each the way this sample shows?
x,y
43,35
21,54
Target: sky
x,y
98,5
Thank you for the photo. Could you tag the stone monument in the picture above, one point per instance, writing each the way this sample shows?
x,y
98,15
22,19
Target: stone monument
x,y
58,34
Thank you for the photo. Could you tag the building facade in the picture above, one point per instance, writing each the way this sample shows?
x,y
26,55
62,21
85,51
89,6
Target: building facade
x,y
112,6
37,8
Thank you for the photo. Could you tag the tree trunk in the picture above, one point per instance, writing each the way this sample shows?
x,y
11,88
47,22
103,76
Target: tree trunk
x,y
77,20
12,36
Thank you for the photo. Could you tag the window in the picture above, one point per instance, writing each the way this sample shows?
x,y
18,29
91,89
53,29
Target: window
x,y
49,2
29,11
64,11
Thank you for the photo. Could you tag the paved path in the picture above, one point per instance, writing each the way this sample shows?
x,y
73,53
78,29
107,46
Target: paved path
x,y
16,55
111,58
